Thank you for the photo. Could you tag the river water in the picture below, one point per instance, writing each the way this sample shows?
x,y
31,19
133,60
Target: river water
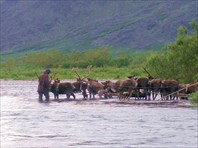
x,y
27,123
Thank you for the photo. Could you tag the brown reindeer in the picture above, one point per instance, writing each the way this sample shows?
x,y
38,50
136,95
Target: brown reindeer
x,y
83,88
119,88
155,87
104,93
86,83
81,83
143,84
62,88
110,86
126,87
189,89
168,87
77,86
93,87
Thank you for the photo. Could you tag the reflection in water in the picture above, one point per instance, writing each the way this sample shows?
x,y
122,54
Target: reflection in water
x,y
27,123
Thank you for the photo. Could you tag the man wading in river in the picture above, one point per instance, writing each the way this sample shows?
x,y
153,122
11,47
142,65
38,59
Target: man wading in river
x,y
44,85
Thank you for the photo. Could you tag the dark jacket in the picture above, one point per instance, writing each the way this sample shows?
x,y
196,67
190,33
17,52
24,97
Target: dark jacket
x,y
44,83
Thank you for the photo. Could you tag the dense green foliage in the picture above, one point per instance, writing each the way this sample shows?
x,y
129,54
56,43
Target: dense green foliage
x,y
177,60
194,98
106,65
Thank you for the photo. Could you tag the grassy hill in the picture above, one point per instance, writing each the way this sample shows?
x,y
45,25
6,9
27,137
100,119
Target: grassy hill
x,y
77,25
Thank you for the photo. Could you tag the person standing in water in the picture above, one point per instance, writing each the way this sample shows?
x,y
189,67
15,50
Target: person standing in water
x,y
44,85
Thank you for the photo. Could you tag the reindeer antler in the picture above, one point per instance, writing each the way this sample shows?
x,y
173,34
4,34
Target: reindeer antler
x,y
53,77
89,67
149,75
75,70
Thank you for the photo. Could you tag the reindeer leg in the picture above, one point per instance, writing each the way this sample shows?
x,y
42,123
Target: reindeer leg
x,y
84,94
89,95
68,95
73,96
120,96
138,94
148,94
154,96
93,96
54,96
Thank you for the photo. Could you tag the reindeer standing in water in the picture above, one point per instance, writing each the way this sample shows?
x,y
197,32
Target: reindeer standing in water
x,y
90,85
58,88
66,88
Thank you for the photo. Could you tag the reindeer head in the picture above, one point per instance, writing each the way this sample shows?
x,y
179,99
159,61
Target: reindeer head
x,y
56,80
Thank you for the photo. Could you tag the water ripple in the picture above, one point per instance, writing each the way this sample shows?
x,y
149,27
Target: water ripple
x,y
27,123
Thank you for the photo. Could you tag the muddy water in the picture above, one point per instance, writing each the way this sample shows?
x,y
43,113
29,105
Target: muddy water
x,y
27,123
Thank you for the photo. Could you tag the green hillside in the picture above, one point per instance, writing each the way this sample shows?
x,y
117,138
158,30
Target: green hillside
x,y
80,25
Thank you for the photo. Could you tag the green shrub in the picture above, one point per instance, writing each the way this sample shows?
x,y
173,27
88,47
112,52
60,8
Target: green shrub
x,y
194,98
179,59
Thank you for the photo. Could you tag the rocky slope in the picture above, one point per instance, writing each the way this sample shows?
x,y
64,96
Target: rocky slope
x,y
77,25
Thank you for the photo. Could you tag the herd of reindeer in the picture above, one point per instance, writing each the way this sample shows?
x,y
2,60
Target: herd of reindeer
x,y
142,88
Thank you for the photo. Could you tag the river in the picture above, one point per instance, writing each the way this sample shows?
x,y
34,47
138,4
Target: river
x,y
27,123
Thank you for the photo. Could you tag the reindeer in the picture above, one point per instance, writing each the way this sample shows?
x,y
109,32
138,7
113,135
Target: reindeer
x,y
104,93
93,87
84,82
142,87
108,84
83,88
187,89
110,88
120,88
62,88
126,88
168,87
77,86
80,84
155,87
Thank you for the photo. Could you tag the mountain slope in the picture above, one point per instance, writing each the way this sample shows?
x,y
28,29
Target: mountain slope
x,y
76,25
